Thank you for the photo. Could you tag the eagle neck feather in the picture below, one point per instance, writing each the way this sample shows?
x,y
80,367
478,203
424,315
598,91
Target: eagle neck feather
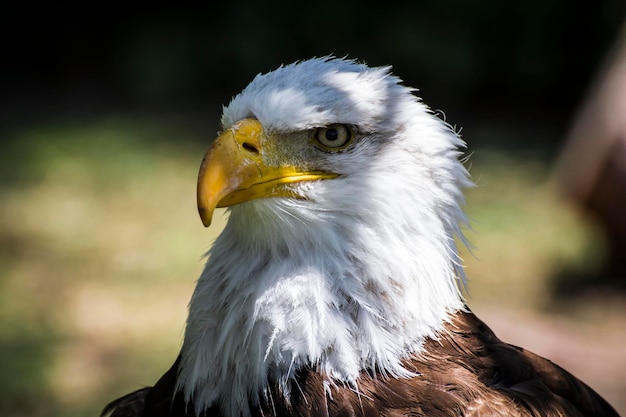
x,y
288,285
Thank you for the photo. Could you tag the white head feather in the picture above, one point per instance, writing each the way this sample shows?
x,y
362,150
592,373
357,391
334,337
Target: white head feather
x,y
354,277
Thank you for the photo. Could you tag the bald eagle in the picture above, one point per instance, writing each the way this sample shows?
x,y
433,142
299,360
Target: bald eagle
x,y
335,288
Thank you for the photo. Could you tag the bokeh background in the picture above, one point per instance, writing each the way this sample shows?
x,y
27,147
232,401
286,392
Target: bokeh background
x,y
106,110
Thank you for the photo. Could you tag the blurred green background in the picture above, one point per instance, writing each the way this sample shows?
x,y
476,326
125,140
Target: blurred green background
x,y
106,110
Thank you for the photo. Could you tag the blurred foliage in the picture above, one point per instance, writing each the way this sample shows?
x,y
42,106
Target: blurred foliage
x,y
90,215
466,57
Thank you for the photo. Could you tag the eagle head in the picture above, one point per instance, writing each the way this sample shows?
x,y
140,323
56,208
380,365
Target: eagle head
x,y
345,196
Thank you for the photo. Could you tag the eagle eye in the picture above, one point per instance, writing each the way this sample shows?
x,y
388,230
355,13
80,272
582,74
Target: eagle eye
x,y
333,137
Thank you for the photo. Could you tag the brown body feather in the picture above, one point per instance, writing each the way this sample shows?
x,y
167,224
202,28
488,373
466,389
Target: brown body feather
x,y
468,371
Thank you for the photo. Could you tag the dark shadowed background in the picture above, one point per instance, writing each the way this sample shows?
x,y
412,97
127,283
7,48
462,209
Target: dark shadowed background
x,y
106,110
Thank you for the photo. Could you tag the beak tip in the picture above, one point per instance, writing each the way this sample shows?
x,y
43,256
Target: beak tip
x,y
206,216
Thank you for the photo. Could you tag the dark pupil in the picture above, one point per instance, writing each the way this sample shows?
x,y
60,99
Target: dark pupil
x,y
332,134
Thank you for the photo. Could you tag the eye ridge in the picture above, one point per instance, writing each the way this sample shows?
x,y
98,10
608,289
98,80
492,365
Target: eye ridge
x,y
334,137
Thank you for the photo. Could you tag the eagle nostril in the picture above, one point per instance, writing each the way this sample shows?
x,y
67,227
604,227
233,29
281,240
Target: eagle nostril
x,y
250,148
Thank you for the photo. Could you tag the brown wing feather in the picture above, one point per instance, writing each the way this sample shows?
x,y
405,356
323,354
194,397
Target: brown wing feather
x,y
468,372
158,401
130,405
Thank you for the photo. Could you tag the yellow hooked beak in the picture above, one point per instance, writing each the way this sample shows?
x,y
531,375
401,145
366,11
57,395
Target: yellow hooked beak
x,y
233,171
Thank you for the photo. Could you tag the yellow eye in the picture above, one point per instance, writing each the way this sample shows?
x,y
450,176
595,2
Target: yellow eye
x,y
334,137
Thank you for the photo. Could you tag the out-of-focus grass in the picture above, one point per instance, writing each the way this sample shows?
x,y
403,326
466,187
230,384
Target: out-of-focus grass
x,y
101,246
522,231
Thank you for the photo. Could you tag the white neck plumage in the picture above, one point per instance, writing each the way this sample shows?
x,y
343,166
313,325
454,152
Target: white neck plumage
x,y
289,284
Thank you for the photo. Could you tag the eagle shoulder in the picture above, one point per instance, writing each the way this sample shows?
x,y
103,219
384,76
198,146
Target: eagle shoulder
x,y
468,371
129,405
161,400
